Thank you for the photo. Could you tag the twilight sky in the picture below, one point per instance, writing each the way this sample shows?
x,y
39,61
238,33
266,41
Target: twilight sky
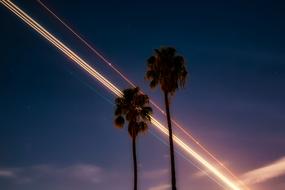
x,y
56,122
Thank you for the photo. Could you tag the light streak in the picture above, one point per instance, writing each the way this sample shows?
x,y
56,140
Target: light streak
x,y
106,83
105,60
87,44
194,154
69,53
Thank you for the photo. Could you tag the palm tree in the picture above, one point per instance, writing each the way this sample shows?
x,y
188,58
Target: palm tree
x,y
167,69
133,107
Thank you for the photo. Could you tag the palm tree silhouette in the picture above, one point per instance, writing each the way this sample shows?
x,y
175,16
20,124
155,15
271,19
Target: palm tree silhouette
x,y
133,107
167,69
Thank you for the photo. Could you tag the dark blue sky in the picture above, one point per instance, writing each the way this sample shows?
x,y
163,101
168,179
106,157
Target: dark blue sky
x,y
56,122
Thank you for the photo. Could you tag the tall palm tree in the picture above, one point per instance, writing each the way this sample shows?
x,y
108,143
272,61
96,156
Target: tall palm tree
x,y
167,69
133,107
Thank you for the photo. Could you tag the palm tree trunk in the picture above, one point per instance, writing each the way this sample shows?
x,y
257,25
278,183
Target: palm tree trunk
x,y
135,164
173,177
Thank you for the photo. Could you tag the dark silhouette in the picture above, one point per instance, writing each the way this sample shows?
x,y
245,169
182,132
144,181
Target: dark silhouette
x,y
133,107
167,69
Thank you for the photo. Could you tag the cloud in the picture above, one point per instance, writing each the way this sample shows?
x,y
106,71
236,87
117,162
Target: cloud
x,y
77,172
64,177
7,173
154,174
266,172
82,172
160,187
200,174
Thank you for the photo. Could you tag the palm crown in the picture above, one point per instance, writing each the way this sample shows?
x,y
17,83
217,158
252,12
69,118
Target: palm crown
x,y
166,68
133,107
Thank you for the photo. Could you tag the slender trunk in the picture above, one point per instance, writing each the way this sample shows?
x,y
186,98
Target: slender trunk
x,y
135,164
173,177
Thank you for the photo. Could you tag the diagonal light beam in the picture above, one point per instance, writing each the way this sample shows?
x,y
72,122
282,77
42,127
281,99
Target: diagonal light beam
x,y
176,124
107,84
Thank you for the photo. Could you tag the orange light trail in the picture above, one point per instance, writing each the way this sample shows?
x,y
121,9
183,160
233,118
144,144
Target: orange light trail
x,y
105,60
106,83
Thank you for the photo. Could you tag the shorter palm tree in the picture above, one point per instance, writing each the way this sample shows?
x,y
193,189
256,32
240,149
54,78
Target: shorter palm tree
x,y
133,107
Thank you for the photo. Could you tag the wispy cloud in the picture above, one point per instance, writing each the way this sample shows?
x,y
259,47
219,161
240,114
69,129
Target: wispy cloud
x,y
160,187
79,172
64,177
157,179
266,172
200,174
7,173
154,174
91,173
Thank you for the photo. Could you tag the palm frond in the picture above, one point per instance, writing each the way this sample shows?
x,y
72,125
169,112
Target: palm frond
x,y
119,121
142,126
167,69
133,107
146,113
153,83
118,111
